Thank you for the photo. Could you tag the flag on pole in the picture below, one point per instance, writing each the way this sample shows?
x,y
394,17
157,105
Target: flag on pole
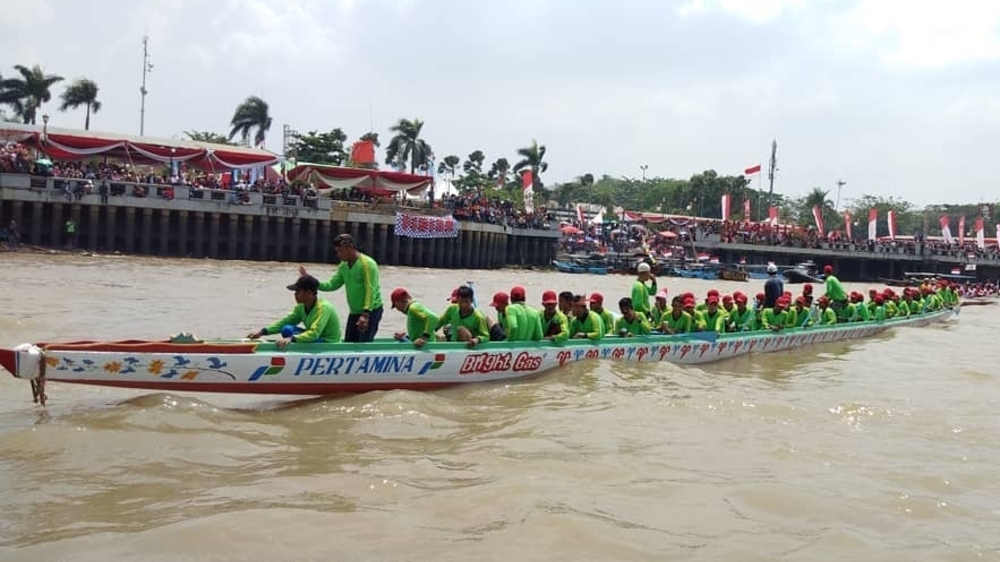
x,y
579,213
946,230
872,223
818,217
528,191
980,234
961,231
890,217
599,217
755,169
726,201
746,210
772,215
847,225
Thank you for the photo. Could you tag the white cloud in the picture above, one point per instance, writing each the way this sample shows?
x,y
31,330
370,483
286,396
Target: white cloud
x,y
754,11
21,15
294,28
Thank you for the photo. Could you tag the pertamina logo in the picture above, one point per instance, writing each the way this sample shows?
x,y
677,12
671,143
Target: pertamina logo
x,y
498,362
276,366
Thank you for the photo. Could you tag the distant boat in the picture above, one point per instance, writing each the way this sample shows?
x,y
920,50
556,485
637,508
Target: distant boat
x,y
803,272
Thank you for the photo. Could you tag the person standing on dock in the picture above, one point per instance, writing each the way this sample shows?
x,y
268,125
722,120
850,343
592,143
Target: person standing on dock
x,y
773,287
358,274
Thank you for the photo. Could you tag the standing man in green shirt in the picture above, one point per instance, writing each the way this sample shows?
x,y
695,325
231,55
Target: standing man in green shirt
x,y
644,286
358,274
834,290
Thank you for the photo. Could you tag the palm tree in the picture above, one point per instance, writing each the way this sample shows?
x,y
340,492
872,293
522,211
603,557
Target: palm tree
x,y
373,137
533,157
407,145
448,165
252,114
499,171
207,136
819,198
81,92
27,93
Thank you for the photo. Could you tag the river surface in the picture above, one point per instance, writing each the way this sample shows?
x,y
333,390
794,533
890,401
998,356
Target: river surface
x,y
885,449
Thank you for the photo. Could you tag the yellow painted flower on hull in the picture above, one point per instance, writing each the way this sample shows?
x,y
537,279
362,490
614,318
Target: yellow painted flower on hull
x,y
156,366
112,366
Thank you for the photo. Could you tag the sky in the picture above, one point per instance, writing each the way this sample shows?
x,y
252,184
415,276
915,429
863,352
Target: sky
x,y
896,98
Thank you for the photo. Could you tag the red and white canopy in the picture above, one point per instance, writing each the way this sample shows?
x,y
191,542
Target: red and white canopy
x,y
376,182
68,144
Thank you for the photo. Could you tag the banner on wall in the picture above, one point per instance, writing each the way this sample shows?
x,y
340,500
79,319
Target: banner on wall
x,y
420,226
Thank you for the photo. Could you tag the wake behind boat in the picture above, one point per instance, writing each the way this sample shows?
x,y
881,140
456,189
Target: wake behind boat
x,y
256,367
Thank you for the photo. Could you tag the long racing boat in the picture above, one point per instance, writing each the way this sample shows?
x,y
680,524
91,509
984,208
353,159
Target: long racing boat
x,y
260,367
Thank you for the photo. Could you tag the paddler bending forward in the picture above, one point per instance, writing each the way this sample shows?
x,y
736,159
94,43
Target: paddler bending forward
x,y
318,317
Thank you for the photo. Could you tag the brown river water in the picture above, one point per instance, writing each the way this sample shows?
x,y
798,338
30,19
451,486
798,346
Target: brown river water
x,y
883,449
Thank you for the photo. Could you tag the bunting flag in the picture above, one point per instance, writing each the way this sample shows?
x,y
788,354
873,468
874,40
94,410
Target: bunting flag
x,y
847,225
872,223
579,213
946,230
961,231
818,216
755,169
726,201
598,218
419,226
528,190
980,234
772,216
746,210
891,219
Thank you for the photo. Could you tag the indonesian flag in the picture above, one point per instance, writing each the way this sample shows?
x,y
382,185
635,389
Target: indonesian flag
x,y
746,210
599,217
579,213
891,219
847,225
772,215
961,231
980,234
726,208
946,230
818,216
528,191
752,170
872,223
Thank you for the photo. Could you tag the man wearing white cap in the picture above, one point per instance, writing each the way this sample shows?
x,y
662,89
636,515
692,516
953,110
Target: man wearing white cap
x,y
644,286
773,287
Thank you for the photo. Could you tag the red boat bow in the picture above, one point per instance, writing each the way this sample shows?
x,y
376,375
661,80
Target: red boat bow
x,y
8,359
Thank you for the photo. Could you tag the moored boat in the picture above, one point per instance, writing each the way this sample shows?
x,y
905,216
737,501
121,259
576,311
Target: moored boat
x,y
579,267
257,367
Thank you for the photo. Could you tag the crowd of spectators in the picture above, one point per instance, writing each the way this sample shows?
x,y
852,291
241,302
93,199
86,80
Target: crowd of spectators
x,y
477,207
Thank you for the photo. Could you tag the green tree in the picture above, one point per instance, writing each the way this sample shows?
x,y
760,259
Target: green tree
x,y
252,114
406,145
207,136
320,148
448,166
26,94
533,158
371,137
474,179
499,172
81,92
909,220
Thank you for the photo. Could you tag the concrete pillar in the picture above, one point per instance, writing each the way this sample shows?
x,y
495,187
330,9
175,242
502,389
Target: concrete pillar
x,y
110,228
130,232
313,232
214,234
147,231
479,250
17,212
382,236
56,226
92,227
394,246
407,257
199,234
183,234
248,238
293,250
232,239
163,224
35,228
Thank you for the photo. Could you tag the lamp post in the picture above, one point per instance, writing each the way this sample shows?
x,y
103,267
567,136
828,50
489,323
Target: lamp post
x,y
173,153
840,184
45,127
644,167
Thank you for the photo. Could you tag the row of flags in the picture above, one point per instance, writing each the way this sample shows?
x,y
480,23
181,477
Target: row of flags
x,y
944,221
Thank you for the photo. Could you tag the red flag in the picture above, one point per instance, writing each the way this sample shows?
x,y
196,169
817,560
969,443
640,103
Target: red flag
x,y
726,202
746,210
945,229
772,214
752,170
980,234
363,152
872,223
579,213
891,219
847,225
818,216
961,231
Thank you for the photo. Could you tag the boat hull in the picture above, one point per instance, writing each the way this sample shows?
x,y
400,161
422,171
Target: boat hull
x,y
317,369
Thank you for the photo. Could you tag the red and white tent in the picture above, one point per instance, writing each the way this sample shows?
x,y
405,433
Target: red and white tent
x,y
376,182
70,144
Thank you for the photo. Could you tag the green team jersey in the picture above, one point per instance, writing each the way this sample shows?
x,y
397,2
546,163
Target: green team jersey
x,y
714,322
682,324
834,290
638,326
320,322
590,325
827,317
861,313
420,322
656,315
879,313
608,320
891,310
531,328
360,283
743,321
475,322
510,320
771,319
556,325
640,295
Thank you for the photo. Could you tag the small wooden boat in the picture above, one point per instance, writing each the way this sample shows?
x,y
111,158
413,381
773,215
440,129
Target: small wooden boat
x,y
979,301
259,367
580,267
804,272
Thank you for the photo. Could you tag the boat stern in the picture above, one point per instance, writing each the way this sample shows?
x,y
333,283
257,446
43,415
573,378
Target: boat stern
x,y
24,361
8,360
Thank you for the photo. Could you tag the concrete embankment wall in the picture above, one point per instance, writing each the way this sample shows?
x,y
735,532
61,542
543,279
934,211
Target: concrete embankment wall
x,y
212,227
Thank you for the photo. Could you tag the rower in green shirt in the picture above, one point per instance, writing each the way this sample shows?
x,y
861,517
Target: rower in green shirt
x,y
317,315
776,317
644,286
827,317
555,325
743,318
677,321
508,317
714,318
660,308
631,323
467,323
421,323
585,323
879,313
358,274
597,305
530,327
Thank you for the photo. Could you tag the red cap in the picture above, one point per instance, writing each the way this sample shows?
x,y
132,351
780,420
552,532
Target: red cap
x,y
398,294
760,297
688,302
500,298
713,292
597,297
550,297
807,288
712,300
738,294
727,298
800,300
879,299
517,293
823,300
662,294
872,292
828,269
740,297
454,296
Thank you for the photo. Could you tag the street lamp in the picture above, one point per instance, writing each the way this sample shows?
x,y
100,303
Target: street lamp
x,y
45,127
840,184
173,153
644,167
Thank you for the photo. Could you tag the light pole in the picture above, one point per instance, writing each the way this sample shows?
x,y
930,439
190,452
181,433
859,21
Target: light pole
x,y
644,167
147,67
173,153
840,184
